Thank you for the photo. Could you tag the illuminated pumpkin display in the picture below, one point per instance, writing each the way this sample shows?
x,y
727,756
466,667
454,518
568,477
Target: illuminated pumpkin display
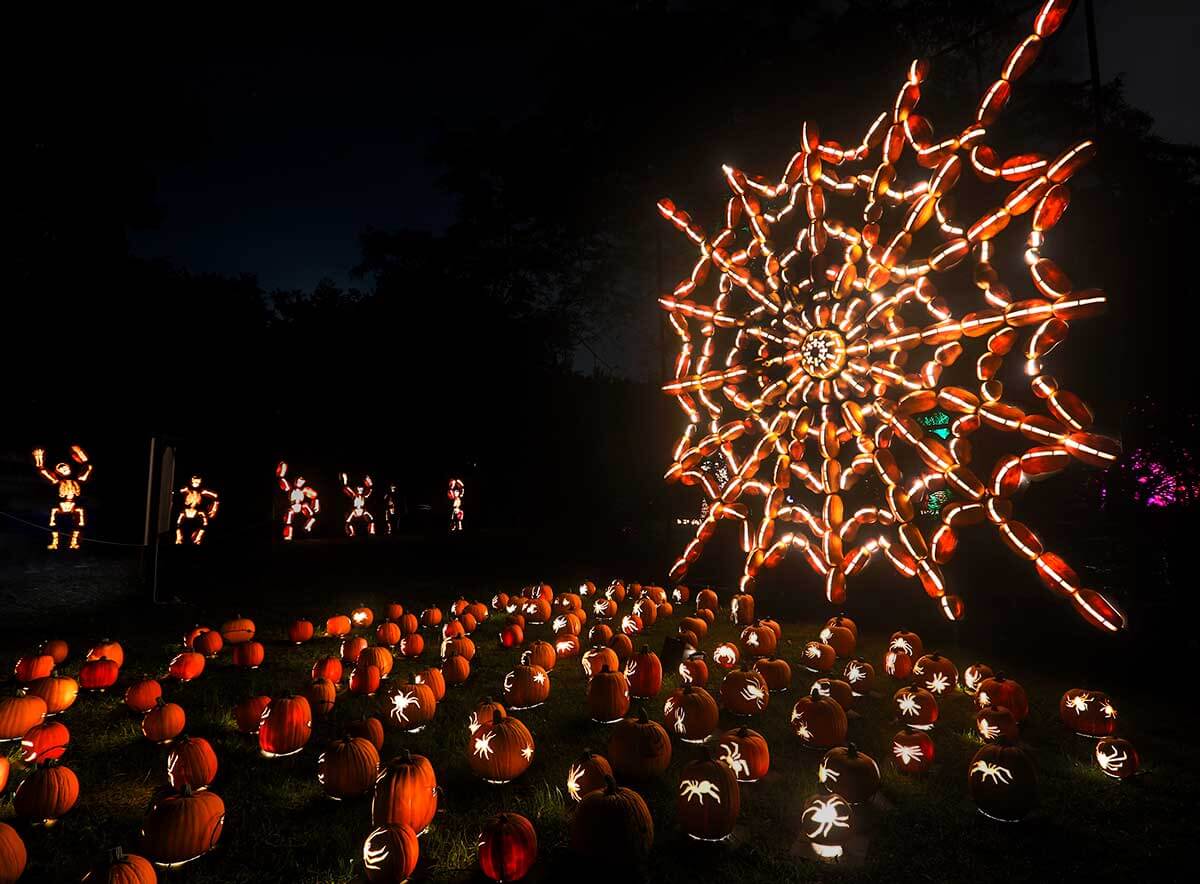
x,y
912,751
744,691
840,635
644,672
999,690
835,689
898,664
802,336
348,767
508,847
1003,782
527,686
818,657
608,696
68,481
59,692
708,801
1088,713
726,655
45,742
691,714
694,670
183,827
46,794
826,822
612,826
975,675
191,762
852,774
411,706
501,750
406,793
412,645
390,854
996,724
588,773
745,752
759,640
638,749
164,722
285,727
915,707
819,722
1117,757
936,674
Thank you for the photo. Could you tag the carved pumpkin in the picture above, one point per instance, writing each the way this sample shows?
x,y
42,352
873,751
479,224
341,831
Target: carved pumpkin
x,y
744,691
1088,713
935,673
484,713
369,728
459,646
478,610
380,657
431,617
843,621
596,659
19,714
839,635
329,668
818,657
338,626
47,793
644,672
835,689
680,595
390,854
1117,758
819,722
299,631
238,630
852,774
248,714
348,767
898,664
352,646
406,793
698,626
365,679
412,645
604,608
208,643
588,773
915,707
191,762
108,650
744,752
453,629
600,634
912,751
691,714
608,696
507,847
999,690
321,694
59,692
1003,782
13,856
860,675
436,680
511,636
639,749
741,610
996,723
758,640
526,686
726,655
826,822
612,826
542,654
776,672
906,643
183,827
56,648
120,867
164,722
33,666
501,750
646,611
975,675
456,670
47,741
411,706
285,727
101,673
694,670
459,606
706,599
186,666
393,611
362,617
708,800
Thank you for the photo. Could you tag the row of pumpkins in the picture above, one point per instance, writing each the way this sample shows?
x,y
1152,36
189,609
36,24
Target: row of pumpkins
x,y
187,824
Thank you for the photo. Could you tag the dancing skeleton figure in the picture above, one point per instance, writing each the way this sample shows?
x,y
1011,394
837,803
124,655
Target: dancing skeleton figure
x,y
70,489
455,493
199,508
358,505
302,501
391,516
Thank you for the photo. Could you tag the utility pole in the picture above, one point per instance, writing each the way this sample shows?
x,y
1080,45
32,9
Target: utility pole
x,y
1089,9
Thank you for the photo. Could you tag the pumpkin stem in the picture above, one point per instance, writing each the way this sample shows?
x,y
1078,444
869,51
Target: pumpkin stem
x,y
115,855
610,785
645,649
852,750
159,702
643,718
743,731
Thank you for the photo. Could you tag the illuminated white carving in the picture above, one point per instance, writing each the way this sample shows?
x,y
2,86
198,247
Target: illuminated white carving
x,y
825,635
564,646
1001,776
628,625
812,651
733,759
725,654
483,745
971,678
855,673
539,678
685,673
825,775
752,639
908,704
560,623
375,858
680,725
400,703
1109,711
988,730
600,608
668,706
1111,761
983,699
527,753
889,663
753,693
631,668
473,722
573,777
508,682
938,684
801,726
698,789
827,814
907,754
1080,702
901,644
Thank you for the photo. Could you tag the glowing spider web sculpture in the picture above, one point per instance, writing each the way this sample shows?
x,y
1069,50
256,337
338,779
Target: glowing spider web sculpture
x,y
810,367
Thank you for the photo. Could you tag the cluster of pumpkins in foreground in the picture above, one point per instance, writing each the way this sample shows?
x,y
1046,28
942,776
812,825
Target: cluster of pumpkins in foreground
x,y
186,821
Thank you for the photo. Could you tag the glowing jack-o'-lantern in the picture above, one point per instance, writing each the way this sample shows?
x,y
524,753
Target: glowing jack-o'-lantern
x,y
935,673
508,847
819,722
759,640
691,714
644,672
860,675
915,707
975,675
726,655
406,793
501,750
776,671
1003,782
390,854
694,670
818,657
285,727
912,751
708,801
852,774
996,724
597,658
906,643
411,706
745,752
526,686
588,773
639,749
826,822
1000,690
1088,713
835,689
898,664
1117,757
744,691
841,635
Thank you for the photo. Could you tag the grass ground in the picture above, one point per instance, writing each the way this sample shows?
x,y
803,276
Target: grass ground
x,y
279,827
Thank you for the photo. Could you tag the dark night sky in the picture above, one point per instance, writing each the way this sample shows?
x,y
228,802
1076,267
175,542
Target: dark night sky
x,y
301,146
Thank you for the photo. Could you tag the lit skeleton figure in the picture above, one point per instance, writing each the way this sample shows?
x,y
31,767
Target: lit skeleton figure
x,y
908,704
400,703
455,494
733,759
1111,761
391,509
302,501
698,789
483,745
827,815
753,693
987,730
1080,702
825,775
358,505
70,489
938,684
199,507
907,754
1001,776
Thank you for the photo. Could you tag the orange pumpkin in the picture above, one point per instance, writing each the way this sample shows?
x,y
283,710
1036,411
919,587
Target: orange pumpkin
x,y
120,867
456,669
388,634
936,674
691,714
186,666
208,643
380,657
912,751
364,680
435,679
526,686
838,634
694,670
393,611
818,657
59,692
485,712
543,654
745,752
708,800
776,671
337,626
249,655
608,696
33,666
285,727
13,856
819,722
108,650
409,624
183,827
390,854
164,722
1088,713
508,847
348,767
511,636
406,793
612,827
600,634
1003,782
597,659
321,694
431,617
412,706
238,630
369,728
852,774
744,691
47,793
835,689
45,742
501,750
351,648
860,675
249,712
362,617
299,631
726,655
329,668
999,690
412,645
974,675
460,646
19,714
706,599
56,648
741,609
191,762
639,749
100,674
644,672
759,640
588,774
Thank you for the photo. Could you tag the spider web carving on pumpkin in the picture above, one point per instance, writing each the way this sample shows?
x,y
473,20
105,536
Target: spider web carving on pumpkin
x,y
823,343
